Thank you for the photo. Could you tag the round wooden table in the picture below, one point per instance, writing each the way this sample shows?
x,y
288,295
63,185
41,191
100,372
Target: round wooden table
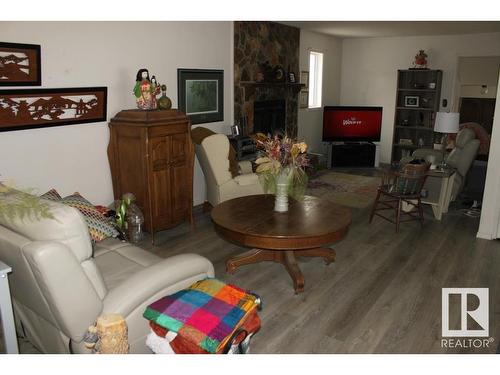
x,y
303,231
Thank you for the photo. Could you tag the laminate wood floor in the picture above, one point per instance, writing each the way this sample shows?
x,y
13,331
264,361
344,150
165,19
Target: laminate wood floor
x,y
382,295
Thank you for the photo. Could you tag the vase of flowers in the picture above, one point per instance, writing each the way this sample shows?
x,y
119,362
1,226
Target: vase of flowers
x,y
281,168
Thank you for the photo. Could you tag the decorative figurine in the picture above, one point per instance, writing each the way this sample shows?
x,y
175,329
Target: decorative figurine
x,y
145,90
420,60
164,102
142,90
155,90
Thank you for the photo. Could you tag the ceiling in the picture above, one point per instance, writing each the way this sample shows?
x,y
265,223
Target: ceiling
x,y
372,29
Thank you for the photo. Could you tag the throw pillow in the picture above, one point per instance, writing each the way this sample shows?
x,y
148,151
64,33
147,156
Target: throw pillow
x,y
100,227
51,195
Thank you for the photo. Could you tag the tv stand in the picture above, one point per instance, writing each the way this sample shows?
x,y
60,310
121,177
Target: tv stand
x,y
354,154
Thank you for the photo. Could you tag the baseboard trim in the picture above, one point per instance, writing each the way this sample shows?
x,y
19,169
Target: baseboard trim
x,y
485,236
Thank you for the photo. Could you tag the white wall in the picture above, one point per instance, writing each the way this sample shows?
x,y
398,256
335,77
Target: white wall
x,y
476,72
82,54
310,121
489,226
369,68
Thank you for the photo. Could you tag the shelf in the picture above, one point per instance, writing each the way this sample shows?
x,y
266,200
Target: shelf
x,y
405,146
418,109
414,127
281,84
433,91
425,70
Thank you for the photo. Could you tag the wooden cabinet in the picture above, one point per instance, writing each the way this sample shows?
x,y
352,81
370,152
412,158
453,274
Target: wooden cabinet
x,y
417,101
151,156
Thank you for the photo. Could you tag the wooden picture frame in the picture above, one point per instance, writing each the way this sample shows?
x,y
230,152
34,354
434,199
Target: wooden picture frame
x,y
304,99
40,108
20,64
304,79
201,94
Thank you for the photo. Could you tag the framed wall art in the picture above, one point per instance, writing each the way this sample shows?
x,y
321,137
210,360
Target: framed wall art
x,y
201,94
304,79
20,64
39,108
304,99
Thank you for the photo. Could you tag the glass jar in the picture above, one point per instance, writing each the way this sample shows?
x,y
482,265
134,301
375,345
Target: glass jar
x,y
135,223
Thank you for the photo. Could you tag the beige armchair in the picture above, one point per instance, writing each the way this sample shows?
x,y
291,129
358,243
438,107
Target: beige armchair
x,y
213,154
60,283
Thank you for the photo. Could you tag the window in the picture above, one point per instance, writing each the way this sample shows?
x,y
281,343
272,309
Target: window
x,y
315,79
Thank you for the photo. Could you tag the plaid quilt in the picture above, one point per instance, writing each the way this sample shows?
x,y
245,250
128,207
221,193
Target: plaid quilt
x,y
206,313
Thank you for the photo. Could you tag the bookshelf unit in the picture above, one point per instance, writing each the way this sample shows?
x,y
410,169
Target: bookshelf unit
x,y
417,101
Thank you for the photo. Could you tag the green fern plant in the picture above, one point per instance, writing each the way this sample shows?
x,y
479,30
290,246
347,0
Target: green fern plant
x,y
22,205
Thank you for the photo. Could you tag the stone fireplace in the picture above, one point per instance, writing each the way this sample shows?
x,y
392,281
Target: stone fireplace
x,y
254,44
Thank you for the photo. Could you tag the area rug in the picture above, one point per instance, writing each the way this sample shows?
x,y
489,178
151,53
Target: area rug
x,y
346,189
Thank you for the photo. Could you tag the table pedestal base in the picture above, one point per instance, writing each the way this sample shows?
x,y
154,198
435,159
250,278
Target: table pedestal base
x,y
285,257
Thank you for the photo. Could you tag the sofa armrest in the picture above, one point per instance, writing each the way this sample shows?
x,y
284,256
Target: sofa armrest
x,y
245,167
166,277
247,179
63,283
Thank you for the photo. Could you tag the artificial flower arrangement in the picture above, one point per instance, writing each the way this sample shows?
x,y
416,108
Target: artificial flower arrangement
x,y
284,161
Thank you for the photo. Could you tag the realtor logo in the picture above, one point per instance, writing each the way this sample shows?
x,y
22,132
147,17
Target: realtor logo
x,y
473,308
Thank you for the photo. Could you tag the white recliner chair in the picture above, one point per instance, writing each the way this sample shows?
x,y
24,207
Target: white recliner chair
x,y
60,283
213,155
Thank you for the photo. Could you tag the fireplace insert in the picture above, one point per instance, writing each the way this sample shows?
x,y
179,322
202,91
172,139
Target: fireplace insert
x,y
269,116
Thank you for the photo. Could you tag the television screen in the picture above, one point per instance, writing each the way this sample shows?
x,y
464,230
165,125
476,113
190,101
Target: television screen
x,y
352,124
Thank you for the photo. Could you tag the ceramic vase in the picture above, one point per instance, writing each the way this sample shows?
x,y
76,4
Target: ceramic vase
x,y
281,197
164,102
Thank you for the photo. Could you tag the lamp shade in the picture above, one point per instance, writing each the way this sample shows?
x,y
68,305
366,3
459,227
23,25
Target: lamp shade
x,y
447,122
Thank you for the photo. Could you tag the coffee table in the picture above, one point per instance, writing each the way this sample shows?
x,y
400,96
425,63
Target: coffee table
x,y
303,231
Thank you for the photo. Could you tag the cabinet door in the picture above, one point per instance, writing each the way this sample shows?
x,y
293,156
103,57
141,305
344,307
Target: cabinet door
x,y
160,181
179,176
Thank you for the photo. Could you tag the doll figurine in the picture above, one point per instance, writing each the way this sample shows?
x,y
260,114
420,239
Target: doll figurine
x,y
142,90
155,90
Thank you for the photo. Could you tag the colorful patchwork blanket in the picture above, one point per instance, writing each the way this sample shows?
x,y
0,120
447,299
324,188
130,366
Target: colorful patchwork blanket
x,y
206,313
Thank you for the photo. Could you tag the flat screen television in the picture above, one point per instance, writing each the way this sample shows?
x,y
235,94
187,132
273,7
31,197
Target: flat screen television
x,y
352,124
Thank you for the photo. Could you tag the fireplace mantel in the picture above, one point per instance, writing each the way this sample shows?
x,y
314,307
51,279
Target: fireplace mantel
x,y
297,86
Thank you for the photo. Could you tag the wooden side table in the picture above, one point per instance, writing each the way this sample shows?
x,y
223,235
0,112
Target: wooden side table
x,y
441,203
7,317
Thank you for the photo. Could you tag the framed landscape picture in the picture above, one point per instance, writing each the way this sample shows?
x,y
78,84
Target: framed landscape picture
x,y
20,64
201,94
39,108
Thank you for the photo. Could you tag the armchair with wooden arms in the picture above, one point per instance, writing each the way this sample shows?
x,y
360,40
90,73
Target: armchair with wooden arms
x,y
402,188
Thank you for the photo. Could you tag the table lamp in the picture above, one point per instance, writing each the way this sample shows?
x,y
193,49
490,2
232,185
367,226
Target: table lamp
x,y
446,123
